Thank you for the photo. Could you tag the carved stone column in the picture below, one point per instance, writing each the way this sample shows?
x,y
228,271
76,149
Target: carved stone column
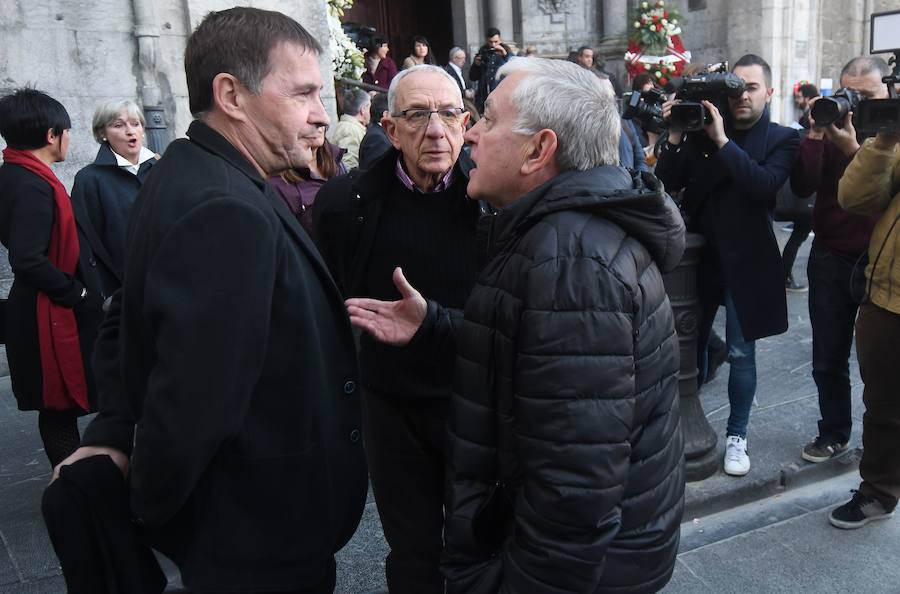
x,y
500,15
701,459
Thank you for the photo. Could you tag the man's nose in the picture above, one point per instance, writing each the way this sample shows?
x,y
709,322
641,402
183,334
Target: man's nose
x,y
434,127
317,114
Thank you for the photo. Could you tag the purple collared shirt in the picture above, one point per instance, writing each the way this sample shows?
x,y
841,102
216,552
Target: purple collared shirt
x,y
410,184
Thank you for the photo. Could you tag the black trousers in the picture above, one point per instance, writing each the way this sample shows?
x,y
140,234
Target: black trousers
x,y
836,286
405,446
877,344
798,236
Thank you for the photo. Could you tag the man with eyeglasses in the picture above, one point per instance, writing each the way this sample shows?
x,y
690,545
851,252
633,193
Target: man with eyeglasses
x,y
408,211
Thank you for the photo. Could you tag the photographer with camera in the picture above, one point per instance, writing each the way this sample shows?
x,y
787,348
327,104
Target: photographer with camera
x,y
490,57
837,257
730,172
871,187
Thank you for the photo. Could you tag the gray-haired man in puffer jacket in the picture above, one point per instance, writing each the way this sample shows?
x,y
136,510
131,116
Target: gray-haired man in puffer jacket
x,y
565,451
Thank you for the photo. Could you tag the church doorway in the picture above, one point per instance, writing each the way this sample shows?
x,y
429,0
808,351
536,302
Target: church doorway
x,y
399,20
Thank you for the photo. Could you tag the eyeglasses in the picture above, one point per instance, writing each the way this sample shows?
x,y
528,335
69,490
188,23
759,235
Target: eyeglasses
x,y
420,117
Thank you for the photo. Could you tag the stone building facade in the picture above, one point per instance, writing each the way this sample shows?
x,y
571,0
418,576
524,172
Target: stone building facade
x,y
85,53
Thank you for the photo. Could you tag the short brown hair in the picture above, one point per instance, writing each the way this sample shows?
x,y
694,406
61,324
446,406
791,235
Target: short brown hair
x,y
237,41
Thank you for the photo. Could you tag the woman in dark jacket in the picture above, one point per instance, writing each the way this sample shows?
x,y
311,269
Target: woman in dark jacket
x,y
380,69
54,305
298,187
105,190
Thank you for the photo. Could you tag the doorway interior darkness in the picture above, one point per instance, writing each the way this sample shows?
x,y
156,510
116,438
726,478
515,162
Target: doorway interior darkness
x,y
399,20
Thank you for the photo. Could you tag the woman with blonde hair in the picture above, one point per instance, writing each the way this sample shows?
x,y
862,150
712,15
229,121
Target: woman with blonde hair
x,y
105,190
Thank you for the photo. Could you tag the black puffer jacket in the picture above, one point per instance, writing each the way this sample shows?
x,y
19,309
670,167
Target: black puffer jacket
x,y
568,365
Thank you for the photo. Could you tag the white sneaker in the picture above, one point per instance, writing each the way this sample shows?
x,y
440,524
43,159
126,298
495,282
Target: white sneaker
x,y
737,462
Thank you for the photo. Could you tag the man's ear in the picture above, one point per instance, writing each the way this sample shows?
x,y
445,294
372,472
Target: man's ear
x,y
541,152
769,93
51,137
390,128
228,95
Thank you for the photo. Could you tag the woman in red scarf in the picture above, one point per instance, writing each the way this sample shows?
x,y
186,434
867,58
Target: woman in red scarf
x,y
54,304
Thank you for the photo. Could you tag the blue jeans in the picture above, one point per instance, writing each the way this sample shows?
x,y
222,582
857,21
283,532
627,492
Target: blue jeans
x,y
742,372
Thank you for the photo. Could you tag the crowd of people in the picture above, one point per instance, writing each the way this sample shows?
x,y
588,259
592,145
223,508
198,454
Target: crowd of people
x,y
461,303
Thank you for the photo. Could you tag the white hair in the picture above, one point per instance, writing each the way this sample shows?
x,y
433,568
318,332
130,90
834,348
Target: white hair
x,y
570,100
108,113
455,50
392,91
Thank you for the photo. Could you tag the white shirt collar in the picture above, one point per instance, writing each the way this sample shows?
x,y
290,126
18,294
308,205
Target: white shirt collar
x,y
145,155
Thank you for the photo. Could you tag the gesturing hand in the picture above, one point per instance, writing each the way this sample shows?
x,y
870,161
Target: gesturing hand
x,y
390,322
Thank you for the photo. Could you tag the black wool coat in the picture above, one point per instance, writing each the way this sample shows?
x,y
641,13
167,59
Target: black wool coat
x,y
566,392
104,193
27,212
229,348
729,194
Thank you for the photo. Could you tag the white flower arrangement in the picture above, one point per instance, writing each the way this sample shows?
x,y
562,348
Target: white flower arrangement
x,y
346,59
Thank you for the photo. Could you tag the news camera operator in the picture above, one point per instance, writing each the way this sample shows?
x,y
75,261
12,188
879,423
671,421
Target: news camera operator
x,y
837,258
490,57
871,186
730,172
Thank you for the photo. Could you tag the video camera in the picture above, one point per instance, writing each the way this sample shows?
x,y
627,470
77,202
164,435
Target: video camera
x,y
713,84
832,110
882,115
646,107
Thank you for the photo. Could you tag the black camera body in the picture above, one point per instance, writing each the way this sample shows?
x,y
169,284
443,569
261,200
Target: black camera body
x,y
646,107
832,110
713,85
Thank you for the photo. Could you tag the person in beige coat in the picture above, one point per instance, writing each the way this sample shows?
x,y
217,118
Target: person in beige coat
x,y
351,127
871,186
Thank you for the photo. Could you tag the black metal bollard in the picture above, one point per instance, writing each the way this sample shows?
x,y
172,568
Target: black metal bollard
x,y
701,459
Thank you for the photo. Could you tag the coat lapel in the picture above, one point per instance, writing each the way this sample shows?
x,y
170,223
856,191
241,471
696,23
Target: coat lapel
x,y
302,239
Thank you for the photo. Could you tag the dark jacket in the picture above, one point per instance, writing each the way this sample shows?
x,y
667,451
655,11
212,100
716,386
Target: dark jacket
x,y
820,166
346,217
374,144
89,523
27,212
459,83
104,192
349,220
486,72
729,196
384,74
230,348
568,365
631,153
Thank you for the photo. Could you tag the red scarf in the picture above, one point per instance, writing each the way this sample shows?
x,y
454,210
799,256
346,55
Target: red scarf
x,y
62,368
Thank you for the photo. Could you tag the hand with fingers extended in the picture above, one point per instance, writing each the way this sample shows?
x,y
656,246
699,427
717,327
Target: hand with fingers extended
x,y
390,322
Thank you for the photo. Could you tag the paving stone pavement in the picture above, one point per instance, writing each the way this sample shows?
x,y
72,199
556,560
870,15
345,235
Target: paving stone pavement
x,y
784,420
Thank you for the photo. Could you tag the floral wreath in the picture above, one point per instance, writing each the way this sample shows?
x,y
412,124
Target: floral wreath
x,y
655,45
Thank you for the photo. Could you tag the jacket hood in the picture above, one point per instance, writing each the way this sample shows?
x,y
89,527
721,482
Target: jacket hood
x,y
633,200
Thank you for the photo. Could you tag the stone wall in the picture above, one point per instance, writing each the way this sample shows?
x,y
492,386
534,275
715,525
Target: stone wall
x,y
85,57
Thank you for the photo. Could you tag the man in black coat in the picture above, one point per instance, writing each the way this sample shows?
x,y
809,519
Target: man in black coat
x,y
490,57
409,210
227,368
565,450
376,142
730,173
